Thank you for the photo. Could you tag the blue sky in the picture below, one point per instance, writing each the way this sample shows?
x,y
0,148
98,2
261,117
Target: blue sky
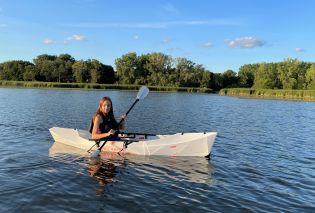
x,y
219,34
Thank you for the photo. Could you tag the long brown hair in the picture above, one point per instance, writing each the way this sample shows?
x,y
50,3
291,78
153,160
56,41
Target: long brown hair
x,y
111,111
110,114
99,112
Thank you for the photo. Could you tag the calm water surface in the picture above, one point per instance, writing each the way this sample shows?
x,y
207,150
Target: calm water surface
x,y
263,159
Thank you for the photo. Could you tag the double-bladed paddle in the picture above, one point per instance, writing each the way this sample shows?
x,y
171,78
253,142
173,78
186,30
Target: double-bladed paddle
x,y
143,92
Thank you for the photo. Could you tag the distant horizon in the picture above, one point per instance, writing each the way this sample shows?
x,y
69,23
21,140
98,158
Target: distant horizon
x,y
220,35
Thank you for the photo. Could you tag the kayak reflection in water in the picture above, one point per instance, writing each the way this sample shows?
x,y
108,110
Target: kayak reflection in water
x,y
104,124
104,172
105,169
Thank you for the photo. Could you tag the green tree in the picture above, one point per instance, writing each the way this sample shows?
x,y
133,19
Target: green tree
x,y
215,81
29,73
13,70
141,70
54,68
246,75
206,79
126,68
159,67
292,73
184,69
93,71
229,79
64,64
191,74
266,77
310,77
46,69
81,71
183,65
101,73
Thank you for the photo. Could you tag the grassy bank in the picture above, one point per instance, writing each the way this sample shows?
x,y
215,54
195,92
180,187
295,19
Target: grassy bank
x,y
92,86
307,95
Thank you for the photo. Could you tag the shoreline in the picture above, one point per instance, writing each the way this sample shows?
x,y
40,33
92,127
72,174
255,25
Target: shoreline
x,y
95,86
278,94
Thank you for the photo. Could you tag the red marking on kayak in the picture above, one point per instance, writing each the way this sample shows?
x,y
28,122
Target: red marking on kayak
x,y
173,147
113,142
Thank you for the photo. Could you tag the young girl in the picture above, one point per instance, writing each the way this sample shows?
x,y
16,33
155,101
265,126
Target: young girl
x,y
104,124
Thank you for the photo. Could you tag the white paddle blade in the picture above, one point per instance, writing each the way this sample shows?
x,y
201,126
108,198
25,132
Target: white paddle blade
x,y
143,92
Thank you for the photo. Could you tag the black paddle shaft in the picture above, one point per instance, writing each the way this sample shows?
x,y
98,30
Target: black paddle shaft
x,y
134,103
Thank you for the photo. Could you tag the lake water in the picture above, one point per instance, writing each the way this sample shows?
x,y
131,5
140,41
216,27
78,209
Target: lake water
x,y
263,159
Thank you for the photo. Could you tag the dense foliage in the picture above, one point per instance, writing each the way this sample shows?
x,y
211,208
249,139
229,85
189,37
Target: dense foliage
x,y
158,69
161,70
62,68
287,74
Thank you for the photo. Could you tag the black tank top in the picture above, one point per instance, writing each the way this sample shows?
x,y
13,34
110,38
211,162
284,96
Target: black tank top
x,y
106,125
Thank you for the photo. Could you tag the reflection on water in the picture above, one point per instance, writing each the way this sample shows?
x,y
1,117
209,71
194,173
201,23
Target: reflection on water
x,y
190,169
59,149
102,169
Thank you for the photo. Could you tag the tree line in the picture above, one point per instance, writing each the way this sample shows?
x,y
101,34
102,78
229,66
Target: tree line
x,y
62,68
158,69
287,74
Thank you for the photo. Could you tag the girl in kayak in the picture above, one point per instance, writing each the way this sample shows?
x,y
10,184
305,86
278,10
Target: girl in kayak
x,y
104,124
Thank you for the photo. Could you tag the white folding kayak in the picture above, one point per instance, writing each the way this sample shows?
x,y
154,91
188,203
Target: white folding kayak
x,y
180,144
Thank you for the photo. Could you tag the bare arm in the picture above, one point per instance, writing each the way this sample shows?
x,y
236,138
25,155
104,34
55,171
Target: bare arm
x,y
122,119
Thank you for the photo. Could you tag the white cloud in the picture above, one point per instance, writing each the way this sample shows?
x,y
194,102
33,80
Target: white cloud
x,y
78,38
298,49
174,49
244,42
207,45
48,41
136,37
166,40
158,25
170,8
